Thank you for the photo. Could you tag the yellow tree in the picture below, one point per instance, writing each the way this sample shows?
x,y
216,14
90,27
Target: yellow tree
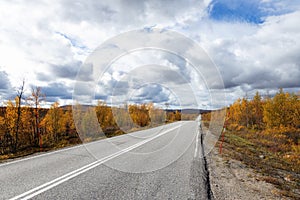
x,y
122,118
235,112
90,125
77,115
1,134
27,126
256,113
245,108
68,123
1,122
157,115
296,115
105,115
278,111
139,114
294,111
53,122
10,120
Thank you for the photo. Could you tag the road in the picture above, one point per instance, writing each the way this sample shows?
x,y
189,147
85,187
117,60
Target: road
x,y
159,163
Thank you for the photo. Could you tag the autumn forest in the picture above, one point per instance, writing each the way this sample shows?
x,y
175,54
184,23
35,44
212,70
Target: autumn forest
x,y
26,127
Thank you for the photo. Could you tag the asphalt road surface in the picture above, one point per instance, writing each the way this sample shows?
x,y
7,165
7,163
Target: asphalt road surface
x,y
159,163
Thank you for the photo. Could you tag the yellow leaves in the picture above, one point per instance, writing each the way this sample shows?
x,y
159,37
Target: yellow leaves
x,y
105,115
53,121
282,110
174,116
139,114
206,116
1,121
11,117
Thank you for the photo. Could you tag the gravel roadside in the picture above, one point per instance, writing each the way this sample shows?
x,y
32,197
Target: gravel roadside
x,y
232,180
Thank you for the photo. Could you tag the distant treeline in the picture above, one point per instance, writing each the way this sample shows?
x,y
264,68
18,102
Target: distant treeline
x,y
28,126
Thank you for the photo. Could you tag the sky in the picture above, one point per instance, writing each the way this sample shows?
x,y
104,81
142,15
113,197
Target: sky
x,y
254,45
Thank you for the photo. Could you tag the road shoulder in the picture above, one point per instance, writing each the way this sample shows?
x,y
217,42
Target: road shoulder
x,y
231,179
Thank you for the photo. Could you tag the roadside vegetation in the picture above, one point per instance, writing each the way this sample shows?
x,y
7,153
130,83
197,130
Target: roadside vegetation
x,y
26,127
265,135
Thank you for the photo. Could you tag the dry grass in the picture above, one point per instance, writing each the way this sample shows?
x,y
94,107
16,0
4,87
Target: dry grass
x,y
64,142
272,154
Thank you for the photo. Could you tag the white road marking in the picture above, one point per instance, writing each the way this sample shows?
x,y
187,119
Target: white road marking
x,y
197,141
197,136
46,186
57,151
41,155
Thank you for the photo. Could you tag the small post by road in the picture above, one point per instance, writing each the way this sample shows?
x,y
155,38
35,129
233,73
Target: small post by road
x,y
223,134
222,140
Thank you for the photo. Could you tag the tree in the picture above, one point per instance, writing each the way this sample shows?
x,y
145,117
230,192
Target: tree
x,y
90,125
36,98
27,126
235,111
18,102
157,115
280,111
174,116
10,122
68,123
296,113
122,118
53,122
105,116
139,115
1,122
256,111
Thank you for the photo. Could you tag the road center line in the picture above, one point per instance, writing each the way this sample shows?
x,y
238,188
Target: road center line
x,y
46,186
197,141
57,151
197,136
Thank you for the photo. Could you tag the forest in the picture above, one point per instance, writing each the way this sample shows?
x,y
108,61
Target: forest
x,y
264,133
26,127
274,121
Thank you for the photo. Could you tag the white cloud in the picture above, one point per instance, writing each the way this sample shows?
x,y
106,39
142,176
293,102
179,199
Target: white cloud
x,y
46,41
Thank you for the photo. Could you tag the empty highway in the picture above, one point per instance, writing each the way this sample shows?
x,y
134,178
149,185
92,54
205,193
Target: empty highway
x,y
159,163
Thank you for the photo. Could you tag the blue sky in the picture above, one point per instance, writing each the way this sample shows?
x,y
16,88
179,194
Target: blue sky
x,y
255,44
237,11
244,11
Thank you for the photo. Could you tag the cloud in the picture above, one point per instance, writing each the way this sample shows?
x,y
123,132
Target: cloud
x,y
265,59
66,71
255,44
56,91
4,81
150,93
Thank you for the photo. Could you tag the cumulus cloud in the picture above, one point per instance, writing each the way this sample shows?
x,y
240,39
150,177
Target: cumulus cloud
x,y
254,44
57,89
267,58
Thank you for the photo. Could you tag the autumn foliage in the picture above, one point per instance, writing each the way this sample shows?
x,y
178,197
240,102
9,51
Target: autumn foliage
x,y
264,133
270,122
27,126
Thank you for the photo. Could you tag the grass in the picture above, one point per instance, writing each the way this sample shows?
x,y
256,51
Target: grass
x,y
268,155
26,151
